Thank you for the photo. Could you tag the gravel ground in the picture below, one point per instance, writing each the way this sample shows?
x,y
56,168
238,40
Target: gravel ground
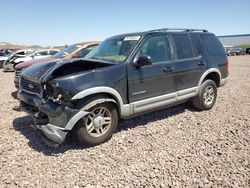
x,y
176,147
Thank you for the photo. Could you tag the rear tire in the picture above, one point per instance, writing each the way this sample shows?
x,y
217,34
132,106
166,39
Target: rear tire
x,y
206,97
98,126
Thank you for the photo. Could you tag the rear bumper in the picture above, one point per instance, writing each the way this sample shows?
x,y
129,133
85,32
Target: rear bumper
x,y
54,119
223,82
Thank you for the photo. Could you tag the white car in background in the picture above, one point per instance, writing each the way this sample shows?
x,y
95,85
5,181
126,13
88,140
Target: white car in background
x,y
13,60
9,62
37,55
3,59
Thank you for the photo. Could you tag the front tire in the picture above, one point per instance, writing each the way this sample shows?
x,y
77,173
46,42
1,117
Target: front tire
x,y
207,96
98,126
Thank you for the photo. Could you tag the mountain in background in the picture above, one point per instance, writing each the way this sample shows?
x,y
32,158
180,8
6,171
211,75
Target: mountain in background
x,y
6,45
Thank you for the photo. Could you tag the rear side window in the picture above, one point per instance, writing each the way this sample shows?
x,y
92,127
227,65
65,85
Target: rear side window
x,y
42,53
195,46
212,44
183,46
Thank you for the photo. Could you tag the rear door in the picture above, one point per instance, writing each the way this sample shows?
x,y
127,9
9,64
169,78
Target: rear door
x,y
188,62
151,80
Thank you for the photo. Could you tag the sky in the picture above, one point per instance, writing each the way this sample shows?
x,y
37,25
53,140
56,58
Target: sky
x,y
60,22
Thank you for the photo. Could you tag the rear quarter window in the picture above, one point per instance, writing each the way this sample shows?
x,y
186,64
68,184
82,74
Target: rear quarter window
x,y
195,46
212,44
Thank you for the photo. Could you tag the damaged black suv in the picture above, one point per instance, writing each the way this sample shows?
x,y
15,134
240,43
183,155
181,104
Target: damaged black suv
x,y
125,76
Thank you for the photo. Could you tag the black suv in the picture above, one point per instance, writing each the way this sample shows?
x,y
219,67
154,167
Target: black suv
x,y
127,75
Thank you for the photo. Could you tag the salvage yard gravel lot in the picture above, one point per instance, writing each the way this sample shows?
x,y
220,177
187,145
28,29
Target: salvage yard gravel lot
x,y
175,147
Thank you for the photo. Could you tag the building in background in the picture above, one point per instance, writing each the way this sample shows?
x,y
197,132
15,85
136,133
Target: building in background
x,y
235,40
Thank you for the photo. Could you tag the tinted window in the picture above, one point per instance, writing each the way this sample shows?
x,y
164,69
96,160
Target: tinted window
x,y
183,46
52,52
116,49
212,44
20,53
195,45
83,52
42,53
157,47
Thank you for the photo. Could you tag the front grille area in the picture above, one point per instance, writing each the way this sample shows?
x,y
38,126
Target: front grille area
x,y
30,86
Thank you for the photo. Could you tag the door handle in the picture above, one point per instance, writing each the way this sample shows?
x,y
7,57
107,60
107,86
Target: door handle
x,y
168,69
201,63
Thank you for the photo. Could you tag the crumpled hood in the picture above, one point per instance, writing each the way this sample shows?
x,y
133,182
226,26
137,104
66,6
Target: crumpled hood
x,y
31,62
46,71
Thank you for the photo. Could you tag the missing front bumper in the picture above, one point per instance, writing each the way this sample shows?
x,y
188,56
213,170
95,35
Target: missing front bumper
x,y
55,120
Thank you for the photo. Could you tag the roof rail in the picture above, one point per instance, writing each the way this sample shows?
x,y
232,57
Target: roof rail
x,y
179,29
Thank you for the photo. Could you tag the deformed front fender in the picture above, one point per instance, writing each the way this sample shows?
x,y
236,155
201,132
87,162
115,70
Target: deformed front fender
x,y
71,123
84,111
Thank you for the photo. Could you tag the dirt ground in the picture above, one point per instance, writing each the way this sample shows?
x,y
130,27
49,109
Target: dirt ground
x,y
177,147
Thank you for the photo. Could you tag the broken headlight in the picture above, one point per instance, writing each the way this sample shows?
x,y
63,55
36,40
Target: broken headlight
x,y
57,93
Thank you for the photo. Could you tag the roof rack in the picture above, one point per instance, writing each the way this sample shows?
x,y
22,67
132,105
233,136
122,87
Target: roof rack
x,y
178,29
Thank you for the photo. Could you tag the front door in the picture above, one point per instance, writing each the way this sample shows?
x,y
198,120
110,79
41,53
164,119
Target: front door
x,y
154,80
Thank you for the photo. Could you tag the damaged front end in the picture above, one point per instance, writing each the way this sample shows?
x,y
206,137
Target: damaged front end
x,y
49,103
53,117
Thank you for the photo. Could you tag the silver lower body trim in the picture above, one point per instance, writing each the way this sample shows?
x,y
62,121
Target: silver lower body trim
x,y
158,102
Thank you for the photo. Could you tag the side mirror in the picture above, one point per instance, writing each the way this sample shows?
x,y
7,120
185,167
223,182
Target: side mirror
x,y
143,61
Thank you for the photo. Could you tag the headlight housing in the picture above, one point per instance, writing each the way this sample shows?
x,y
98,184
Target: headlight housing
x,y
57,93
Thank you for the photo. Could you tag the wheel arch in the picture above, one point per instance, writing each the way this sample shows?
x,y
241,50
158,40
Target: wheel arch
x,y
213,74
99,95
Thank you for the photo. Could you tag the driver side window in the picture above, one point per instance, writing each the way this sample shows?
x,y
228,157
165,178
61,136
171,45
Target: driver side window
x,y
157,47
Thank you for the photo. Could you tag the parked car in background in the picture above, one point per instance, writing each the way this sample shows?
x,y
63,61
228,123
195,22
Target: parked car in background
x,y
238,51
243,51
78,50
229,52
8,64
125,76
248,51
5,52
35,55
3,59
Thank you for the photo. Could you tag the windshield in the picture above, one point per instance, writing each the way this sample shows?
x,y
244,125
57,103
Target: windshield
x,y
114,49
67,51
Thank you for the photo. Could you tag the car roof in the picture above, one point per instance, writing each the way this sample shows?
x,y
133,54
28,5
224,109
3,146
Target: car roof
x,y
163,30
28,50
